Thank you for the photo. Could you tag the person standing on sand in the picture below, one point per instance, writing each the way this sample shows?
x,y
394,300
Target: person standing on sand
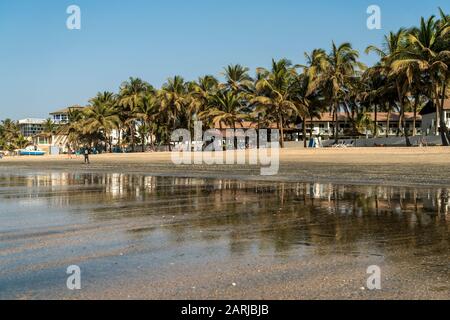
x,y
86,156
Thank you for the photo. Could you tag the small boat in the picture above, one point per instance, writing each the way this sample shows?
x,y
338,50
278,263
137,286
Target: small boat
x,y
31,152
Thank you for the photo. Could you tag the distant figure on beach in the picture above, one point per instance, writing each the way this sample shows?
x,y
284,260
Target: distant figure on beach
x,y
86,156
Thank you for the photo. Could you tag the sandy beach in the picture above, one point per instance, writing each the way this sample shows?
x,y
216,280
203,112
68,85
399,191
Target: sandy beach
x,y
140,227
387,166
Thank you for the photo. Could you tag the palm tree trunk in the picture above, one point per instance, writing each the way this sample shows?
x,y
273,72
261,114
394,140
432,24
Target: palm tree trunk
x,y
401,122
305,144
416,104
119,140
132,136
375,131
443,126
388,122
444,89
336,124
280,127
109,139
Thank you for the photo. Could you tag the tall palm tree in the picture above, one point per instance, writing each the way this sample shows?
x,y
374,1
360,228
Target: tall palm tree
x,y
425,56
174,100
49,129
101,116
73,129
131,96
147,113
393,48
275,93
237,78
341,67
199,93
225,108
316,65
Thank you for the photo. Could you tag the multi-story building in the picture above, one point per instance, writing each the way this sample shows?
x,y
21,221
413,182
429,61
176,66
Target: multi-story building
x,y
31,127
62,116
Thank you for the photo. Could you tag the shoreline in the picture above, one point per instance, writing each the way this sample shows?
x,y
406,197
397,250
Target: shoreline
x,y
397,166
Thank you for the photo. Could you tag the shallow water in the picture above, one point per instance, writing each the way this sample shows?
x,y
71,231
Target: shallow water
x,y
122,229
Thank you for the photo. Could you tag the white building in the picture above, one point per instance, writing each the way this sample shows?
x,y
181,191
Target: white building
x,y
31,127
429,118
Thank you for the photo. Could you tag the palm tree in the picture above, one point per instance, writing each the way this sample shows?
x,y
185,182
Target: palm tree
x,y
143,131
394,47
316,64
237,78
425,57
147,113
275,93
131,96
199,94
20,143
174,99
225,108
363,122
49,129
73,129
101,116
341,67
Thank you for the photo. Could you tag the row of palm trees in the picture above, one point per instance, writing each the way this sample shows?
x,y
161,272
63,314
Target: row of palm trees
x,y
413,69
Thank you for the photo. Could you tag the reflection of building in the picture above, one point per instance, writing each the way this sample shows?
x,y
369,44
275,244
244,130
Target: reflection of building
x,y
31,127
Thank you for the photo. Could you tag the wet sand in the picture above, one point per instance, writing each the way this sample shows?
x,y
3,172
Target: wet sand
x,y
140,228
387,166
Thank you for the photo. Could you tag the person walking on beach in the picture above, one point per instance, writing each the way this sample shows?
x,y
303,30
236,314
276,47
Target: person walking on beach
x,y
86,156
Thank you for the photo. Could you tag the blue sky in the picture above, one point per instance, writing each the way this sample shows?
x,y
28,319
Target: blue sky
x,y
44,66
